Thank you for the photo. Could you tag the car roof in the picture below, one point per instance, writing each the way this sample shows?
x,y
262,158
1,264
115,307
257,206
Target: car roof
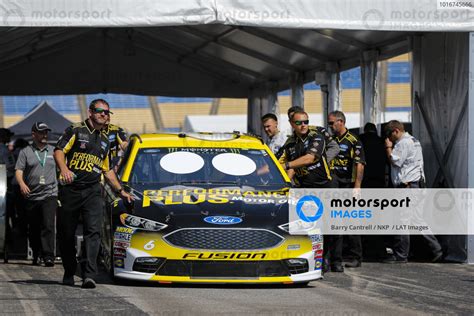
x,y
201,139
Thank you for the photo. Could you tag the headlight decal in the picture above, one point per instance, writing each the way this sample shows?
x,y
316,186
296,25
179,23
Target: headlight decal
x,y
133,221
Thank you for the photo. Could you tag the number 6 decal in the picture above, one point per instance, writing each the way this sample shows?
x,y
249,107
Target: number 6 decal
x,y
149,245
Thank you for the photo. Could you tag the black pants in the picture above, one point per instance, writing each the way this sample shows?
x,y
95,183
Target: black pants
x,y
354,242
40,216
76,201
401,243
332,243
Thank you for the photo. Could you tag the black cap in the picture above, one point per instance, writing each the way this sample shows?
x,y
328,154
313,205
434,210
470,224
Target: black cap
x,y
40,127
6,132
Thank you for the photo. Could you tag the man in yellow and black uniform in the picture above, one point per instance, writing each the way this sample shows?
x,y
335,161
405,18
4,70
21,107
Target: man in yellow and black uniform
x,y
118,141
348,172
81,155
304,155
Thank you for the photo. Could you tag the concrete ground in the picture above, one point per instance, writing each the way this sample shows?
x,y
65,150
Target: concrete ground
x,y
373,289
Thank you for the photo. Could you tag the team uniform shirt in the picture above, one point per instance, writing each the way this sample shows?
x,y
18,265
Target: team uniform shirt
x,y
86,151
117,136
407,160
351,152
313,143
39,171
332,148
276,143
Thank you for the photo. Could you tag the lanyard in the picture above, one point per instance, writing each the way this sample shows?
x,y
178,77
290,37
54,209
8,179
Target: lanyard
x,y
42,162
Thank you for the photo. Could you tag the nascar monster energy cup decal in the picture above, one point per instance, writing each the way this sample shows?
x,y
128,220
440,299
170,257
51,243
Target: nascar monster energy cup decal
x,y
381,211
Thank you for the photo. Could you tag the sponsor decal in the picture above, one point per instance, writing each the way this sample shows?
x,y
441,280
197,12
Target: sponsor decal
x,y
119,263
121,244
225,255
343,147
223,220
316,238
120,253
318,263
293,247
317,246
212,196
83,146
127,230
318,253
103,145
122,236
111,137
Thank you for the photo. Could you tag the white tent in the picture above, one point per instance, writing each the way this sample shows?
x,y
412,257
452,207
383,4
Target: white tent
x,y
199,48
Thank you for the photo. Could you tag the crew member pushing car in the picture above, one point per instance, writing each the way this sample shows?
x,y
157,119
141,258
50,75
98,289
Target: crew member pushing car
x,y
82,156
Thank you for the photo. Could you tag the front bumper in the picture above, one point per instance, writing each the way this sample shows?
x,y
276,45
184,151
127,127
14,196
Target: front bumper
x,y
149,258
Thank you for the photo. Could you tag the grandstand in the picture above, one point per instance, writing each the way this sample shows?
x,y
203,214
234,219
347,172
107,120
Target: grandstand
x,y
135,114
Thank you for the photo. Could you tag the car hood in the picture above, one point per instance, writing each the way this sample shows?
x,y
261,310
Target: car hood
x,y
198,206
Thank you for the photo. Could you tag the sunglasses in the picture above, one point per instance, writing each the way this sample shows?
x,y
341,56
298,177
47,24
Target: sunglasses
x,y
305,122
101,110
331,123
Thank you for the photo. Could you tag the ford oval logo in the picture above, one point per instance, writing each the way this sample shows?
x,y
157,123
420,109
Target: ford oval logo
x,y
223,220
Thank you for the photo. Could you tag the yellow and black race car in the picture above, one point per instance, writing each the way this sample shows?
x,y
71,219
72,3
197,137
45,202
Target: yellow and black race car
x,y
209,208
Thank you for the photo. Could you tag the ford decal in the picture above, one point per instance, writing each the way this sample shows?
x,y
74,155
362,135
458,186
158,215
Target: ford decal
x,y
223,220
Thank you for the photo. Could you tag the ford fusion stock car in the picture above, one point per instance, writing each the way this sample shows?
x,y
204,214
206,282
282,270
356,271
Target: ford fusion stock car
x,y
209,208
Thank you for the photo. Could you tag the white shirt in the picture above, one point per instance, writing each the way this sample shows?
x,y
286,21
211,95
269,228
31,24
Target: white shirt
x,y
407,160
277,141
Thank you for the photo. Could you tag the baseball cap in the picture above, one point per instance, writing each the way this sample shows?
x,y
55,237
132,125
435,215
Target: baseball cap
x,y
6,132
40,127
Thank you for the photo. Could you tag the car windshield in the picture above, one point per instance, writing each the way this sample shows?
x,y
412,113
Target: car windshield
x,y
188,166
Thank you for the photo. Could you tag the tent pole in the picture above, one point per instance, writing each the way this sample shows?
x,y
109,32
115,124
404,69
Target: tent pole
x,y
470,140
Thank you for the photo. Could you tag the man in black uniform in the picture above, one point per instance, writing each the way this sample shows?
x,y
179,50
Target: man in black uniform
x,y
348,169
332,148
304,155
118,142
81,155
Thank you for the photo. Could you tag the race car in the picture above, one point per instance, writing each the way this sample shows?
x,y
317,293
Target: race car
x,y
209,208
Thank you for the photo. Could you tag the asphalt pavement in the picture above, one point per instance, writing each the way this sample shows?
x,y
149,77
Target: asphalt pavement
x,y
373,289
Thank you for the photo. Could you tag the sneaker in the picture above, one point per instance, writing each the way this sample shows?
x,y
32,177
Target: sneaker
x,y
48,262
337,268
88,283
68,279
394,259
353,264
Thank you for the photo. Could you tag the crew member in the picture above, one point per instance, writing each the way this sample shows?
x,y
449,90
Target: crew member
x,y
304,155
276,138
348,171
406,158
332,148
82,156
36,176
118,143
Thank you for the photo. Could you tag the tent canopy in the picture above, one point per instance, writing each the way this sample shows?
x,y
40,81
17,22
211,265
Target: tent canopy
x,y
199,48
43,112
